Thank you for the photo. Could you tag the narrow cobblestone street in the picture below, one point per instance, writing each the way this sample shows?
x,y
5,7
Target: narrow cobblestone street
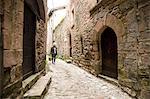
x,y
71,82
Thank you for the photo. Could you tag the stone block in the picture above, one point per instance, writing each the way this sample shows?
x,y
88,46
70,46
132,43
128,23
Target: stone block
x,y
131,68
7,39
144,47
18,37
20,5
8,5
97,67
126,5
130,46
144,72
12,89
145,94
131,37
1,7
122,74
131,55
132,23
145,59
99,27
96,55
12,57
145,84
16,73
95,48
144,35
144,24
19,56
9,58
7,78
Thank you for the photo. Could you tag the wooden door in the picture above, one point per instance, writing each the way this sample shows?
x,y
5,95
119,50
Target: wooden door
x,y
29,42
109,53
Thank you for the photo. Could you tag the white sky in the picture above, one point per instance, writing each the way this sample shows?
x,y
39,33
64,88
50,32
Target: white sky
x,y
56,3
59,14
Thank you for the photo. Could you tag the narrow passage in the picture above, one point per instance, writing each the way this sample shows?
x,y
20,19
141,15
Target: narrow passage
x,y
71,82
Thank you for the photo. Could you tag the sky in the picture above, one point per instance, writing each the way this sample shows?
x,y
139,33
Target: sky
x,y
56,3
60,14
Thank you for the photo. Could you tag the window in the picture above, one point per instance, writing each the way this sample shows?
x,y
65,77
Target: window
x,y
72,18
81,39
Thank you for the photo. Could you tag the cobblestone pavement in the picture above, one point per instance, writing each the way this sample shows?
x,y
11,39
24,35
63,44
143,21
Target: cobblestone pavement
x,y
71,82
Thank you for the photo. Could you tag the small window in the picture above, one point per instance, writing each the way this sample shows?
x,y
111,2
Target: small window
x,y
70,42
82,48
72,18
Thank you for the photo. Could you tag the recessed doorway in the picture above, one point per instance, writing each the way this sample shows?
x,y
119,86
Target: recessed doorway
x,y
109,53
29,42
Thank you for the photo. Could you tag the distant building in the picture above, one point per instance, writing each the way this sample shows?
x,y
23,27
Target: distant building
x,y
55,16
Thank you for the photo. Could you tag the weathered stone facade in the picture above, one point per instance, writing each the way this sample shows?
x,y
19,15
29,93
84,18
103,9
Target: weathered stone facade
x,y
61,37
12,31
41,35
129,19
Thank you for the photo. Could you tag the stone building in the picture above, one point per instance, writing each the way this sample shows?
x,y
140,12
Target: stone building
x,y
63,39
111,38
22,43
56,14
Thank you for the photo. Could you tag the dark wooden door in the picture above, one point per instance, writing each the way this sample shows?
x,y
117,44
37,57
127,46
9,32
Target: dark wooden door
x,y
109,53
29,42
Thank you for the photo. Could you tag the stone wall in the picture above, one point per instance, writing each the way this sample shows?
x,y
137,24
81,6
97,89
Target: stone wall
x,y
129,19
143,41
41,37
81,31
12,29
126,18
12,36
61,37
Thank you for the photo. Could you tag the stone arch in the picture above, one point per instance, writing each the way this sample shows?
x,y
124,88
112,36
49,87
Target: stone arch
x,y
117,26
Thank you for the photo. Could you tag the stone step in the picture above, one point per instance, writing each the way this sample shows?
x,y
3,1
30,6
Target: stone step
x,y
40,88
30,81
109,79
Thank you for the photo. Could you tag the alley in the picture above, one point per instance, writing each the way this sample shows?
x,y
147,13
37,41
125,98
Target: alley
x,y
71,82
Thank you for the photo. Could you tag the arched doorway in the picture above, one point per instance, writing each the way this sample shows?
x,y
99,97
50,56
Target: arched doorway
x,y
109,53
